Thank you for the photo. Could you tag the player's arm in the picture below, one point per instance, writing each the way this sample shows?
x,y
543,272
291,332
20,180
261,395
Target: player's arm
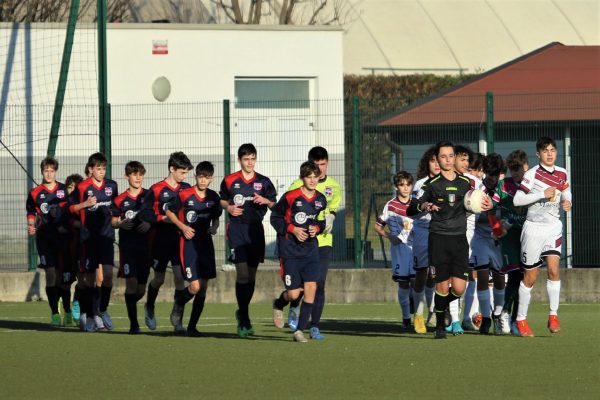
x,y
31,214
319,224
381,223
215,214
81,204
172,208
332,206
422,203
269,196
566,197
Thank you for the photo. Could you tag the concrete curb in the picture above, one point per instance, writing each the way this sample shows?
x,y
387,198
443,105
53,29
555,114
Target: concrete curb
x,y
344,286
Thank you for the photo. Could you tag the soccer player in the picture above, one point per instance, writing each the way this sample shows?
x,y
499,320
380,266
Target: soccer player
x,y
295,217
165,236
246,195
400,236
424,286
448,247
545,190
513,219
70,241
45,208
94,197
133,240
333,193
195,212
486,256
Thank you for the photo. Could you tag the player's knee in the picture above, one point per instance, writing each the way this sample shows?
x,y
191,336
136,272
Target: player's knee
x,y
194,287
242,273
158,280
131,285
403,284
50,276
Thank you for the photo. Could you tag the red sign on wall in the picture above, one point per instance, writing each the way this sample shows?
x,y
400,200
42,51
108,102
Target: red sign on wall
x,y
160,47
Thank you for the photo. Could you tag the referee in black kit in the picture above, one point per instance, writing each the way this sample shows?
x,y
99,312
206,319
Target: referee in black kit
x,y
442,196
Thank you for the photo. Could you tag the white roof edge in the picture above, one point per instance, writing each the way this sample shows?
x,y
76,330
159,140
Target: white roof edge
x,y
188,27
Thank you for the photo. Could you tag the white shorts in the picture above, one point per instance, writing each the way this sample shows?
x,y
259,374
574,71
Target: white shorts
x,y
540,240
420,248
485,252
402,263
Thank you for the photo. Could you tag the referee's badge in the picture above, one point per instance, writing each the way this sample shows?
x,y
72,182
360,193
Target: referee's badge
x,y
451,199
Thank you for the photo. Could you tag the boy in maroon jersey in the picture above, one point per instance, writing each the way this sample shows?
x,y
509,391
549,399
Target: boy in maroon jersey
x,y
196,213
133,240
246,195
94,197
164,237
45,207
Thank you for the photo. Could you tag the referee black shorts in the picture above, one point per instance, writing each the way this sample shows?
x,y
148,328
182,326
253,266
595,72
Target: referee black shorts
x,y
448,256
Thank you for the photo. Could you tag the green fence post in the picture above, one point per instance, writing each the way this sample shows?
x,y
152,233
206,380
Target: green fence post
x,y
226,158
104,111
489,106
62,79
358,259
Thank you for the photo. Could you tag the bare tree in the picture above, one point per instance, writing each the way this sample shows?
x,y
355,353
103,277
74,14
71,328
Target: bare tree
x,y
58,10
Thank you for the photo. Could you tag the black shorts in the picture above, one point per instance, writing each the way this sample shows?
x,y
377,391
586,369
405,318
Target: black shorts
x,y
198,259
247,243
296,271
48,248
96,250
448,256
134,262
165,248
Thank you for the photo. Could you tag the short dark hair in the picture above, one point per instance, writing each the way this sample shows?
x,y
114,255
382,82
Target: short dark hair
x,y
476,161
404,176
423,167
96,160
444,143
309,167
246,149
460,149
135,167
178,160
205,168
318,153
516,159
544,142
493,164
73,179
49,162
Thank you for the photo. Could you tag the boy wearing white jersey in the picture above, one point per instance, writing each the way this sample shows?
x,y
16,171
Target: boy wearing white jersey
x,y
545,190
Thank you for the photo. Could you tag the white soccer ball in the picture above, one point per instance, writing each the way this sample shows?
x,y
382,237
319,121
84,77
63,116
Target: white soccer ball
x,y
474,199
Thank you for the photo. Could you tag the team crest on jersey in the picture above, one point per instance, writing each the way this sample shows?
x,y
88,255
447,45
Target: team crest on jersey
x,y
328,191
108,191
60,194
451,198
258,186
318,204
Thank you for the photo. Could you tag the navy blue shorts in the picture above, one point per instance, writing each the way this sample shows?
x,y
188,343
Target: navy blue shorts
x,y
134,262
247,243
48,248
198,258
165,248
96,250
296,271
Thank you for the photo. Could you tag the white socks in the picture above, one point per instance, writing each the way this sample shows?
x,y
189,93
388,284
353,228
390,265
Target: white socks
x,y
524,300
553,288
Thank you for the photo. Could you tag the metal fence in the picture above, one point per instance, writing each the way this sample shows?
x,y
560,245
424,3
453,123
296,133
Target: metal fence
x,y
367,139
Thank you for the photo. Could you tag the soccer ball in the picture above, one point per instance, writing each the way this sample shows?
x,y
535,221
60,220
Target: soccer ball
x,y
473,200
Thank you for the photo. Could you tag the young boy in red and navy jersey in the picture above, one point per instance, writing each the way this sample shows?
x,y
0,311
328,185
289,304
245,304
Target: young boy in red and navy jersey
x,y
246,195
94,198
296,220
45,207
134,257
164,237
196,211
